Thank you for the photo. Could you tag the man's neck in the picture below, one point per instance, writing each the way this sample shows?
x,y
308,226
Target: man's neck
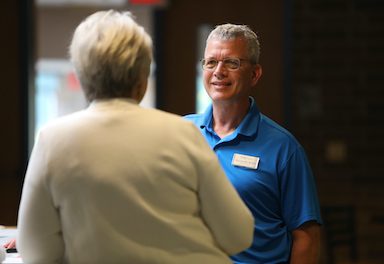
x,y
228,116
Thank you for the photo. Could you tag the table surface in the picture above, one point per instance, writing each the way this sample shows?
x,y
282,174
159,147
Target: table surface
x,y
7,233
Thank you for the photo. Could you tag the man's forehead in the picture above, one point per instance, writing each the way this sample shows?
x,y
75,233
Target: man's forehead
x,y
225,46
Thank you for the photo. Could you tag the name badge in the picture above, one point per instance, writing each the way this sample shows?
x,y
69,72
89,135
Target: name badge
x,y
245,161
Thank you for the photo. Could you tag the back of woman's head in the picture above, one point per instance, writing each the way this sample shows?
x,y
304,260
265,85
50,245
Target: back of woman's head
x,y
111,54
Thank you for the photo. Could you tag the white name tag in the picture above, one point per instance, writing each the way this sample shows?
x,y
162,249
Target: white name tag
x,y
245,161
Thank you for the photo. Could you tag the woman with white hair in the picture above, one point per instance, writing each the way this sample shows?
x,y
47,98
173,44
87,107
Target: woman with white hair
x,y
117,183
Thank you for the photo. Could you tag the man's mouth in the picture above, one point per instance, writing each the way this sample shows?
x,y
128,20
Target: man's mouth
x,y
221,84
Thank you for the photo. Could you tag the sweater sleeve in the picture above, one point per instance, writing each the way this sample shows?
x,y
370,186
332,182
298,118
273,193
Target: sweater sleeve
x,y
224,212
39,233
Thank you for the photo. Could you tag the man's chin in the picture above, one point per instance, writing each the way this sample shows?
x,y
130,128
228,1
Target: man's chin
x,y
220,97
220,94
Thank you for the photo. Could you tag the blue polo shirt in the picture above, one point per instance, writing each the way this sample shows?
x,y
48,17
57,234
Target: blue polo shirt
x,y
270,171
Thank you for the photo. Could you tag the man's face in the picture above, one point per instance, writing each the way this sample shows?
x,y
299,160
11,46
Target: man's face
x,y
223,83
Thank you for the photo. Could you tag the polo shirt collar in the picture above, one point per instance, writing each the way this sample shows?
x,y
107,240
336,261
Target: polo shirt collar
x,y
248,126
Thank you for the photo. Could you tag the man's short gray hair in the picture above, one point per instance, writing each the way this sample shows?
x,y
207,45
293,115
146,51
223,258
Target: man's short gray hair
x,y
232,31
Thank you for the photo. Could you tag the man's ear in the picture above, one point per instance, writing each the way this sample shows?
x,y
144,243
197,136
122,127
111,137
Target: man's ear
x,y
256,74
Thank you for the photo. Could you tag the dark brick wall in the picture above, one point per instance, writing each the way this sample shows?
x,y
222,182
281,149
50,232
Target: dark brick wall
x,y
337,99
15,66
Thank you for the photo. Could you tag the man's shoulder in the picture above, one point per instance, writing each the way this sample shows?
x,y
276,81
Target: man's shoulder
x,y
277,131
195,118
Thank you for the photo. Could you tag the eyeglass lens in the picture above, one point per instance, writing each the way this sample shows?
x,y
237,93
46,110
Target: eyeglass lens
x,y
229,63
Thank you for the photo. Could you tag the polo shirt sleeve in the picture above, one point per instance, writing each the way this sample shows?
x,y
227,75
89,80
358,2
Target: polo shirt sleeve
x,y
299,200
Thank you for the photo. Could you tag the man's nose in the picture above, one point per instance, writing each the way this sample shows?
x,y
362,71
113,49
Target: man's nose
x,y
220,69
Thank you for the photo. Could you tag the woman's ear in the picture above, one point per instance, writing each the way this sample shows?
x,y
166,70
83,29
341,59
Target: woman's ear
x,y
139,91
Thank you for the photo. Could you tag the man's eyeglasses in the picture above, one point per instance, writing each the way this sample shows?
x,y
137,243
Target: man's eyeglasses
x,y
231,64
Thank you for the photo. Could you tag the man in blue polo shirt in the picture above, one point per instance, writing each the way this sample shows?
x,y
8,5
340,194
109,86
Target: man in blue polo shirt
x,y
264,162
